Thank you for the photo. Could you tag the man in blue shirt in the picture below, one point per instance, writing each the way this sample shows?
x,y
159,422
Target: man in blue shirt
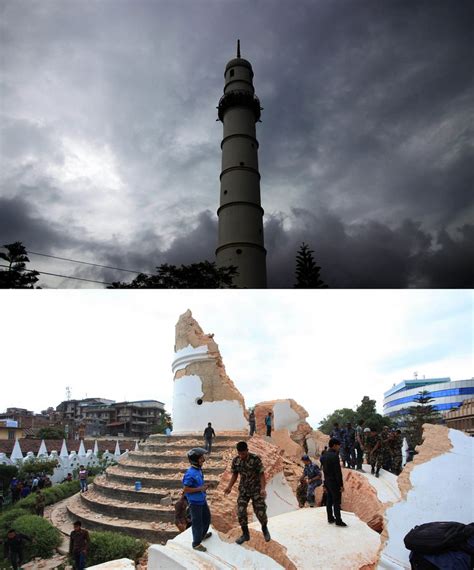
x,y
195,490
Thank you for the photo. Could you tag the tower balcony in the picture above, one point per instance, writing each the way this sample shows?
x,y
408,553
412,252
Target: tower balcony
x,y
241,99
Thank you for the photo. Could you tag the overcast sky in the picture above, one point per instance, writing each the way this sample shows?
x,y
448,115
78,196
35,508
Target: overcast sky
x,y
110,146
325,349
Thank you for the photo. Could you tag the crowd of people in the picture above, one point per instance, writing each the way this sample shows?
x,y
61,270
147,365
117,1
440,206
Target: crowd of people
x,y
347,448
21,488
381,450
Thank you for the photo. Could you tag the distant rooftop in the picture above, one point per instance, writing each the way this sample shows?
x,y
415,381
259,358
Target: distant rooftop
x,y
414,383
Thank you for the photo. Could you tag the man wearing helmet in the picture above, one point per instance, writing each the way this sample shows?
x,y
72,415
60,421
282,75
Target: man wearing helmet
x,y
195,490
251,487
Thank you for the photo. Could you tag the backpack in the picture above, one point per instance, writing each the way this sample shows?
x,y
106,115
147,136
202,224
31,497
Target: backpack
x,y
437,537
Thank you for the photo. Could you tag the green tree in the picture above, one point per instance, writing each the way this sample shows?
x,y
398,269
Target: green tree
x,y
7,472
15,275
342,416
203,275
307,272
365,411
51,433
33,466
422,413
163,423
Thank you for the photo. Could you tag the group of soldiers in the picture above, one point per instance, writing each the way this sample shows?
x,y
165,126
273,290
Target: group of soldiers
x,y
382,450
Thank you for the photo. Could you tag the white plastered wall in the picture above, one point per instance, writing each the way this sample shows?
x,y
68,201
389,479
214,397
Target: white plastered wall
x,y
284,417
442,490
190,417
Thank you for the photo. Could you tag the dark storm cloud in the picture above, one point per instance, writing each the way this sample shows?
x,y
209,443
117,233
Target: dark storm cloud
x,y
18,222
109,137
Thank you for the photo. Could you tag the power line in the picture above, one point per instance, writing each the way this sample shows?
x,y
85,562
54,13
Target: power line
x,y
64,276
84,262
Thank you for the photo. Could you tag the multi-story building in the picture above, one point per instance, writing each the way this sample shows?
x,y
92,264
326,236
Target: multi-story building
x,y
9,429
136,419
98,416
26,418
446,394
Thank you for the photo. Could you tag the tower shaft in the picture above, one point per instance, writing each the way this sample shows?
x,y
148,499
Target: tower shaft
x,y
240,240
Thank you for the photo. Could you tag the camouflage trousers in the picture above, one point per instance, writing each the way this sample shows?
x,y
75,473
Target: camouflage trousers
x,y
396,463
259,508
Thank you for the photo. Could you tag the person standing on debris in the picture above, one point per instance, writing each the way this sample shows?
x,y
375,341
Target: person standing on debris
x,y
195,490
13,547
395,446
359,444
336,432
348,444
312,473
333,482
208,434
251,488
372,447
79,545
268,424
83,478
385,449
40,502
252,423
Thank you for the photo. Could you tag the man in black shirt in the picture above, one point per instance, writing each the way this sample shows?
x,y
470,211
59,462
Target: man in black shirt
x,y
209,433
13,547
333,481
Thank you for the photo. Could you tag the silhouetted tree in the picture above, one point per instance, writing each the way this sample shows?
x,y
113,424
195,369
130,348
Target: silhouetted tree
x,y
203,275
51,433
15,275
423,413
307,272
364,411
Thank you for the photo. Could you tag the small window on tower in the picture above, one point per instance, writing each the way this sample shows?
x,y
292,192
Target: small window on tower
x,y
231,73
225,191
238,251
241,163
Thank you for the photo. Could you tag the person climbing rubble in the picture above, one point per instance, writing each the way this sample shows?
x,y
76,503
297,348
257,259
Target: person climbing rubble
x,y
312,474
195,490
251,488
208,435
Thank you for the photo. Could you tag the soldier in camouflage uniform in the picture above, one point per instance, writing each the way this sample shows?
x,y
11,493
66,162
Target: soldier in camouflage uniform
x,y
251,488
385,449
395,446
372,447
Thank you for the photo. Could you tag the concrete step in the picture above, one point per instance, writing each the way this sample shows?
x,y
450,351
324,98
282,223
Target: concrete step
x,y
209,467
115,474
154,532
183,449
127,510
157,438
127,493
164,457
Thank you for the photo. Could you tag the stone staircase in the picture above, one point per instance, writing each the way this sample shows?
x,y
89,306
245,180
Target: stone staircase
x,y
113,504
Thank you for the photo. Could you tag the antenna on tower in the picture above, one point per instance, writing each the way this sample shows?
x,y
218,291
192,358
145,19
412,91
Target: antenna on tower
x,y
238,48
68,393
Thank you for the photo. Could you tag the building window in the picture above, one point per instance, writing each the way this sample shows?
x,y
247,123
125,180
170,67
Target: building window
x,y
11,434
241,163
225,191
238,251
231,73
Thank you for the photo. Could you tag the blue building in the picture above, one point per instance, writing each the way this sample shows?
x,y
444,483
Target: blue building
x,y
446,394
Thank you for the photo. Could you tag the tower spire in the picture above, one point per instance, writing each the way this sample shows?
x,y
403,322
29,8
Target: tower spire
x,y
238,48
